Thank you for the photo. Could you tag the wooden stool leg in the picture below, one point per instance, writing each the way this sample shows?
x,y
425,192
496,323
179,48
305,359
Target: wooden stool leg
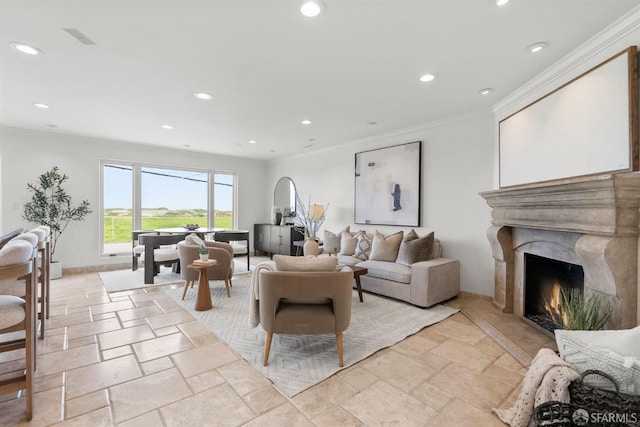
x,y
339,343
227,284
267,348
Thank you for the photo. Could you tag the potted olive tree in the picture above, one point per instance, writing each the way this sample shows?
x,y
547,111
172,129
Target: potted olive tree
x,y
51,205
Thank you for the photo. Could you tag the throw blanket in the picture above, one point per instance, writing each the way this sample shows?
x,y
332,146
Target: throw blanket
x,y
547,379
254,293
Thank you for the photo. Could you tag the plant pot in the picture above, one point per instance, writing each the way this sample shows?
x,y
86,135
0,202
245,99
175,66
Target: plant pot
x,y
55,270
204,257
311,247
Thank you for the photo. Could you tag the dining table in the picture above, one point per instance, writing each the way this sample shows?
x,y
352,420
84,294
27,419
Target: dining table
x,y
170,236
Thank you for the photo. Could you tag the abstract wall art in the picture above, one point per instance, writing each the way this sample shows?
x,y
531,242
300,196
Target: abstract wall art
x,y
387,185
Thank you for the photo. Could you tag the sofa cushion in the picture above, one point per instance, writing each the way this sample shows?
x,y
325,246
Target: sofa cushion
x,y
363,246
348,259
297,263
387,270
415,249
385,248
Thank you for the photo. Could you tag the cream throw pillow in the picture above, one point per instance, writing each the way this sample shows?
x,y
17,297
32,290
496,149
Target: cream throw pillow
x,y
348,243
624,368
386,248
193,239
299,263
415,249
331,240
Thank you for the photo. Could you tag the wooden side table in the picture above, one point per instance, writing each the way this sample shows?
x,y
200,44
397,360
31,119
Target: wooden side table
x,y
203,300
357,272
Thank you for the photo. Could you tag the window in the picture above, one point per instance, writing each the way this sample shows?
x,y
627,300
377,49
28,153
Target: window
x,y
173,198
148,197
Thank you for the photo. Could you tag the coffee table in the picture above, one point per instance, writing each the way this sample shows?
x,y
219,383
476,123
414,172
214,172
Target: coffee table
x,y
357,272
203,300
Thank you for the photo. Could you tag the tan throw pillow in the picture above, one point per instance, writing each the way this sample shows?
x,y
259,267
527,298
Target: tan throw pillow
x,y
415,249
193,239
299,263
348,243
363,246
386,248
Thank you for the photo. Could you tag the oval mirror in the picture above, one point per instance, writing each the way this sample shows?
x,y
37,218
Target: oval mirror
x,y
284,194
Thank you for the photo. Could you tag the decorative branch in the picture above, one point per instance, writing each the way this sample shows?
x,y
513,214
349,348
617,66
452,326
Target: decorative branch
x,y
304,222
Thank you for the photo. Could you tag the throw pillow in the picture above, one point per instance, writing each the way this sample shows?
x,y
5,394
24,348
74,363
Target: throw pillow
x,y
331,240
386,248
625,342
363,246
298,263
415,249
348,243
193,239
582,356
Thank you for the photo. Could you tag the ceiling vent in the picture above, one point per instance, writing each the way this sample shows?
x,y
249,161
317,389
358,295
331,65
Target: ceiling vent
x,y
76,34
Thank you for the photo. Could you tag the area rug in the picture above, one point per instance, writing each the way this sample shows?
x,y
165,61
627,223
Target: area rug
x,y
124,280
298,362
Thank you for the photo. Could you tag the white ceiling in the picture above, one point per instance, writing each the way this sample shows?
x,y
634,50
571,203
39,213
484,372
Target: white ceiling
x,y
268,67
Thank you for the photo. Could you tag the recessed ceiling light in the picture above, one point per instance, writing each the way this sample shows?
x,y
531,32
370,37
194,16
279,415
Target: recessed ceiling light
x,y
186,145
500,2
485,91
168,127
203,95
311,8
43,106
427,77
306,122
25,48
537,47
372,123
252,141
51,125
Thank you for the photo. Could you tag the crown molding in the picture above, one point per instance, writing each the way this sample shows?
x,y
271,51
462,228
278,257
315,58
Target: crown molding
x,y
589,54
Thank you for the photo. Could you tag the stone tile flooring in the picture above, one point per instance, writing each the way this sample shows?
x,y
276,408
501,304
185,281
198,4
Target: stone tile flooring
x,y
135,358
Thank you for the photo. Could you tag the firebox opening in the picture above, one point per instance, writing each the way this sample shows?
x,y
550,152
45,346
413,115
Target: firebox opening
x,y
544,279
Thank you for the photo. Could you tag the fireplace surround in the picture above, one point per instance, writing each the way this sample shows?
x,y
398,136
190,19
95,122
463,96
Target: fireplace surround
x,y
593,222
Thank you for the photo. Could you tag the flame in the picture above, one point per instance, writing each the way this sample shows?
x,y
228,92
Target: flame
x,y
554,306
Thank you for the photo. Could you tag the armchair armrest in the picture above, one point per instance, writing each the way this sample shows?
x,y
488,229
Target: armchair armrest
x,y
434,281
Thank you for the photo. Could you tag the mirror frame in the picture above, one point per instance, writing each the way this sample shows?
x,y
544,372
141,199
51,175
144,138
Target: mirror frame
x,y
295,189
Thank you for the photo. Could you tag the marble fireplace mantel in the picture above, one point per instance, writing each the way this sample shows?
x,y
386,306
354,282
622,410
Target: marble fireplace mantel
x,y
592,221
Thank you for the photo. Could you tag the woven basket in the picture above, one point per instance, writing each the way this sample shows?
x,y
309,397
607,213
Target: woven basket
x,y
593,400
600,400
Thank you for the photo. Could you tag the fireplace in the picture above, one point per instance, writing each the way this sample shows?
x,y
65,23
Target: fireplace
x,y
544,281
591,222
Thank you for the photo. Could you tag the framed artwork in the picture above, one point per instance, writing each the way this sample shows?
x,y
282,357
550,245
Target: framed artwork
x,y
387,185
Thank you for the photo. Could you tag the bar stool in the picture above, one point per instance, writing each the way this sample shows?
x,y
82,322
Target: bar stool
x,y
18,314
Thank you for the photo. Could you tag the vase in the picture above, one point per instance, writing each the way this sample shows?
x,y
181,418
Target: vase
x,y
276,215
311,247
204,257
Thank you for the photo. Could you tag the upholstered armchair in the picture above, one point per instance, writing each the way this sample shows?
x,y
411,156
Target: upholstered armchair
x,y
221,252
305,303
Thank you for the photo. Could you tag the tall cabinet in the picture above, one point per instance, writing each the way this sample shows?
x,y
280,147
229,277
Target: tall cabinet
x,y
275,239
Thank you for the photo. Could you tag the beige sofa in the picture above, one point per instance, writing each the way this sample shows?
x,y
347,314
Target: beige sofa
x,y
391,272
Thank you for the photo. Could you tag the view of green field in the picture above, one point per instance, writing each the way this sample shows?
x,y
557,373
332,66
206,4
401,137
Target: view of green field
x,y
118,222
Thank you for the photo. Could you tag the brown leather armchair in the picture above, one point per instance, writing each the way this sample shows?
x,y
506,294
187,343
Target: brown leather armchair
x,y
221,252
305,303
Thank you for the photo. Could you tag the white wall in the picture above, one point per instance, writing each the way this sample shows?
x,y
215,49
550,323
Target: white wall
x,y
25,155
457,164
